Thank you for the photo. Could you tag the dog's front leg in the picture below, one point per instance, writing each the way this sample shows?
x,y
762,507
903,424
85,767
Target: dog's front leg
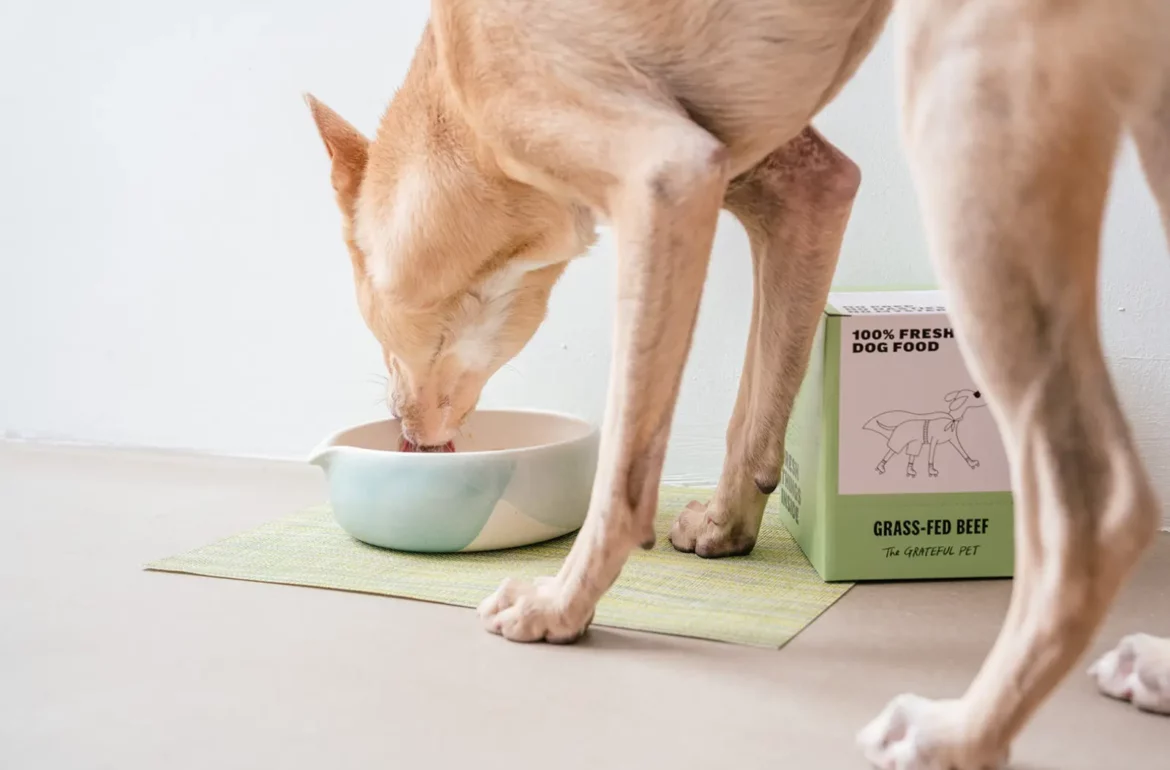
x,y
664,201
794,205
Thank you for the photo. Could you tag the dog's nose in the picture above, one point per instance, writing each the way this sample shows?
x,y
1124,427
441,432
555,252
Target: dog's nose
x,y
426,433
977,394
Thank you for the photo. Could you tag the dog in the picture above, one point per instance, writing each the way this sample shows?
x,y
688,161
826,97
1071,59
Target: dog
x,y
522,125
909,432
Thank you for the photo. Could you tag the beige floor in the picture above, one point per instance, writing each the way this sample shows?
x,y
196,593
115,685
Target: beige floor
x,y
103,665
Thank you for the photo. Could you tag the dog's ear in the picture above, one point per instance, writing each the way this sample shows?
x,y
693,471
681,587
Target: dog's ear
x,y
951,396
347,148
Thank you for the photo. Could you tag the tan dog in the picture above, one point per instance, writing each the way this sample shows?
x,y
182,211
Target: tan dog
x,y
520,123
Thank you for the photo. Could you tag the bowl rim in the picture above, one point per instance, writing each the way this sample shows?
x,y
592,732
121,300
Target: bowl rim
x,y
328,445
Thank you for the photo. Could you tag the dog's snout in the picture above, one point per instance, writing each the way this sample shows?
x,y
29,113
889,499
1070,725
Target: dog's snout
x,y
427,427
977,394
416,433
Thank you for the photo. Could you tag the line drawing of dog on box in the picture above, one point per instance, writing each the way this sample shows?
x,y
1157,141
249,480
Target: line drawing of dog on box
x,y
909,433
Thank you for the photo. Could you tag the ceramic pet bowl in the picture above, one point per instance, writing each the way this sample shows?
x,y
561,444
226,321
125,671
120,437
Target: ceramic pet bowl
x,y
516,478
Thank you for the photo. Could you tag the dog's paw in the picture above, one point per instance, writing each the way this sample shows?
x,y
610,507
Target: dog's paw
x,y
1137,670
910,472
914,733
881,468
532,612
933,472
972,464
695,531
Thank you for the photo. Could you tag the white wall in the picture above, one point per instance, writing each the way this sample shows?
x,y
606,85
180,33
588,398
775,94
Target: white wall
x,y
171,272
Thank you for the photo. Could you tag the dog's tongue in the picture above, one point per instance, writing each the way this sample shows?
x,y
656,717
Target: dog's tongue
x,y
408,446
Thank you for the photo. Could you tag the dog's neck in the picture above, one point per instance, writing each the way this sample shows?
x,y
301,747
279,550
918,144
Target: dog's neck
x,y
437,215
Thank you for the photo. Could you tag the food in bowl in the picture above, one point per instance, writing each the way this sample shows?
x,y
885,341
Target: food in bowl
x,y
518,478
406,445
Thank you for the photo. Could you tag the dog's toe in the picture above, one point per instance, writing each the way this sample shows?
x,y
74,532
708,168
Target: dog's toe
x,y
696,531
1136,670
915,733
532,612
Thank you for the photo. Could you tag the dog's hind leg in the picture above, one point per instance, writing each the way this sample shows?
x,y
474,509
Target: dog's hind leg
x,y
794,205
1012,123
1137,669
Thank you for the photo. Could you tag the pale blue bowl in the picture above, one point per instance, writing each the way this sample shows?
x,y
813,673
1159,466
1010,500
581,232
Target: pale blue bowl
x,y
516,478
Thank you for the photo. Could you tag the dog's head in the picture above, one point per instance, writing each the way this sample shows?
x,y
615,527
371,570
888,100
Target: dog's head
x,y
453,263
964,399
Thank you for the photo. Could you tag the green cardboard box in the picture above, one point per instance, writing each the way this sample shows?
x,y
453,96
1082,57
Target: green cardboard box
x,y
893,466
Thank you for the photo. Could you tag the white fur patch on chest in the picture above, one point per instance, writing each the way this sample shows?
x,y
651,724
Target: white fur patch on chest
x,y
475,346
476,343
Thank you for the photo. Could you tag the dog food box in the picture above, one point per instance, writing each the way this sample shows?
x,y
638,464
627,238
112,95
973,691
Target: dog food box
x,y
893,466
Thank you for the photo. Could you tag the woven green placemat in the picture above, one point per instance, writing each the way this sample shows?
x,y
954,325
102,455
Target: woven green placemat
x,y
763,599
